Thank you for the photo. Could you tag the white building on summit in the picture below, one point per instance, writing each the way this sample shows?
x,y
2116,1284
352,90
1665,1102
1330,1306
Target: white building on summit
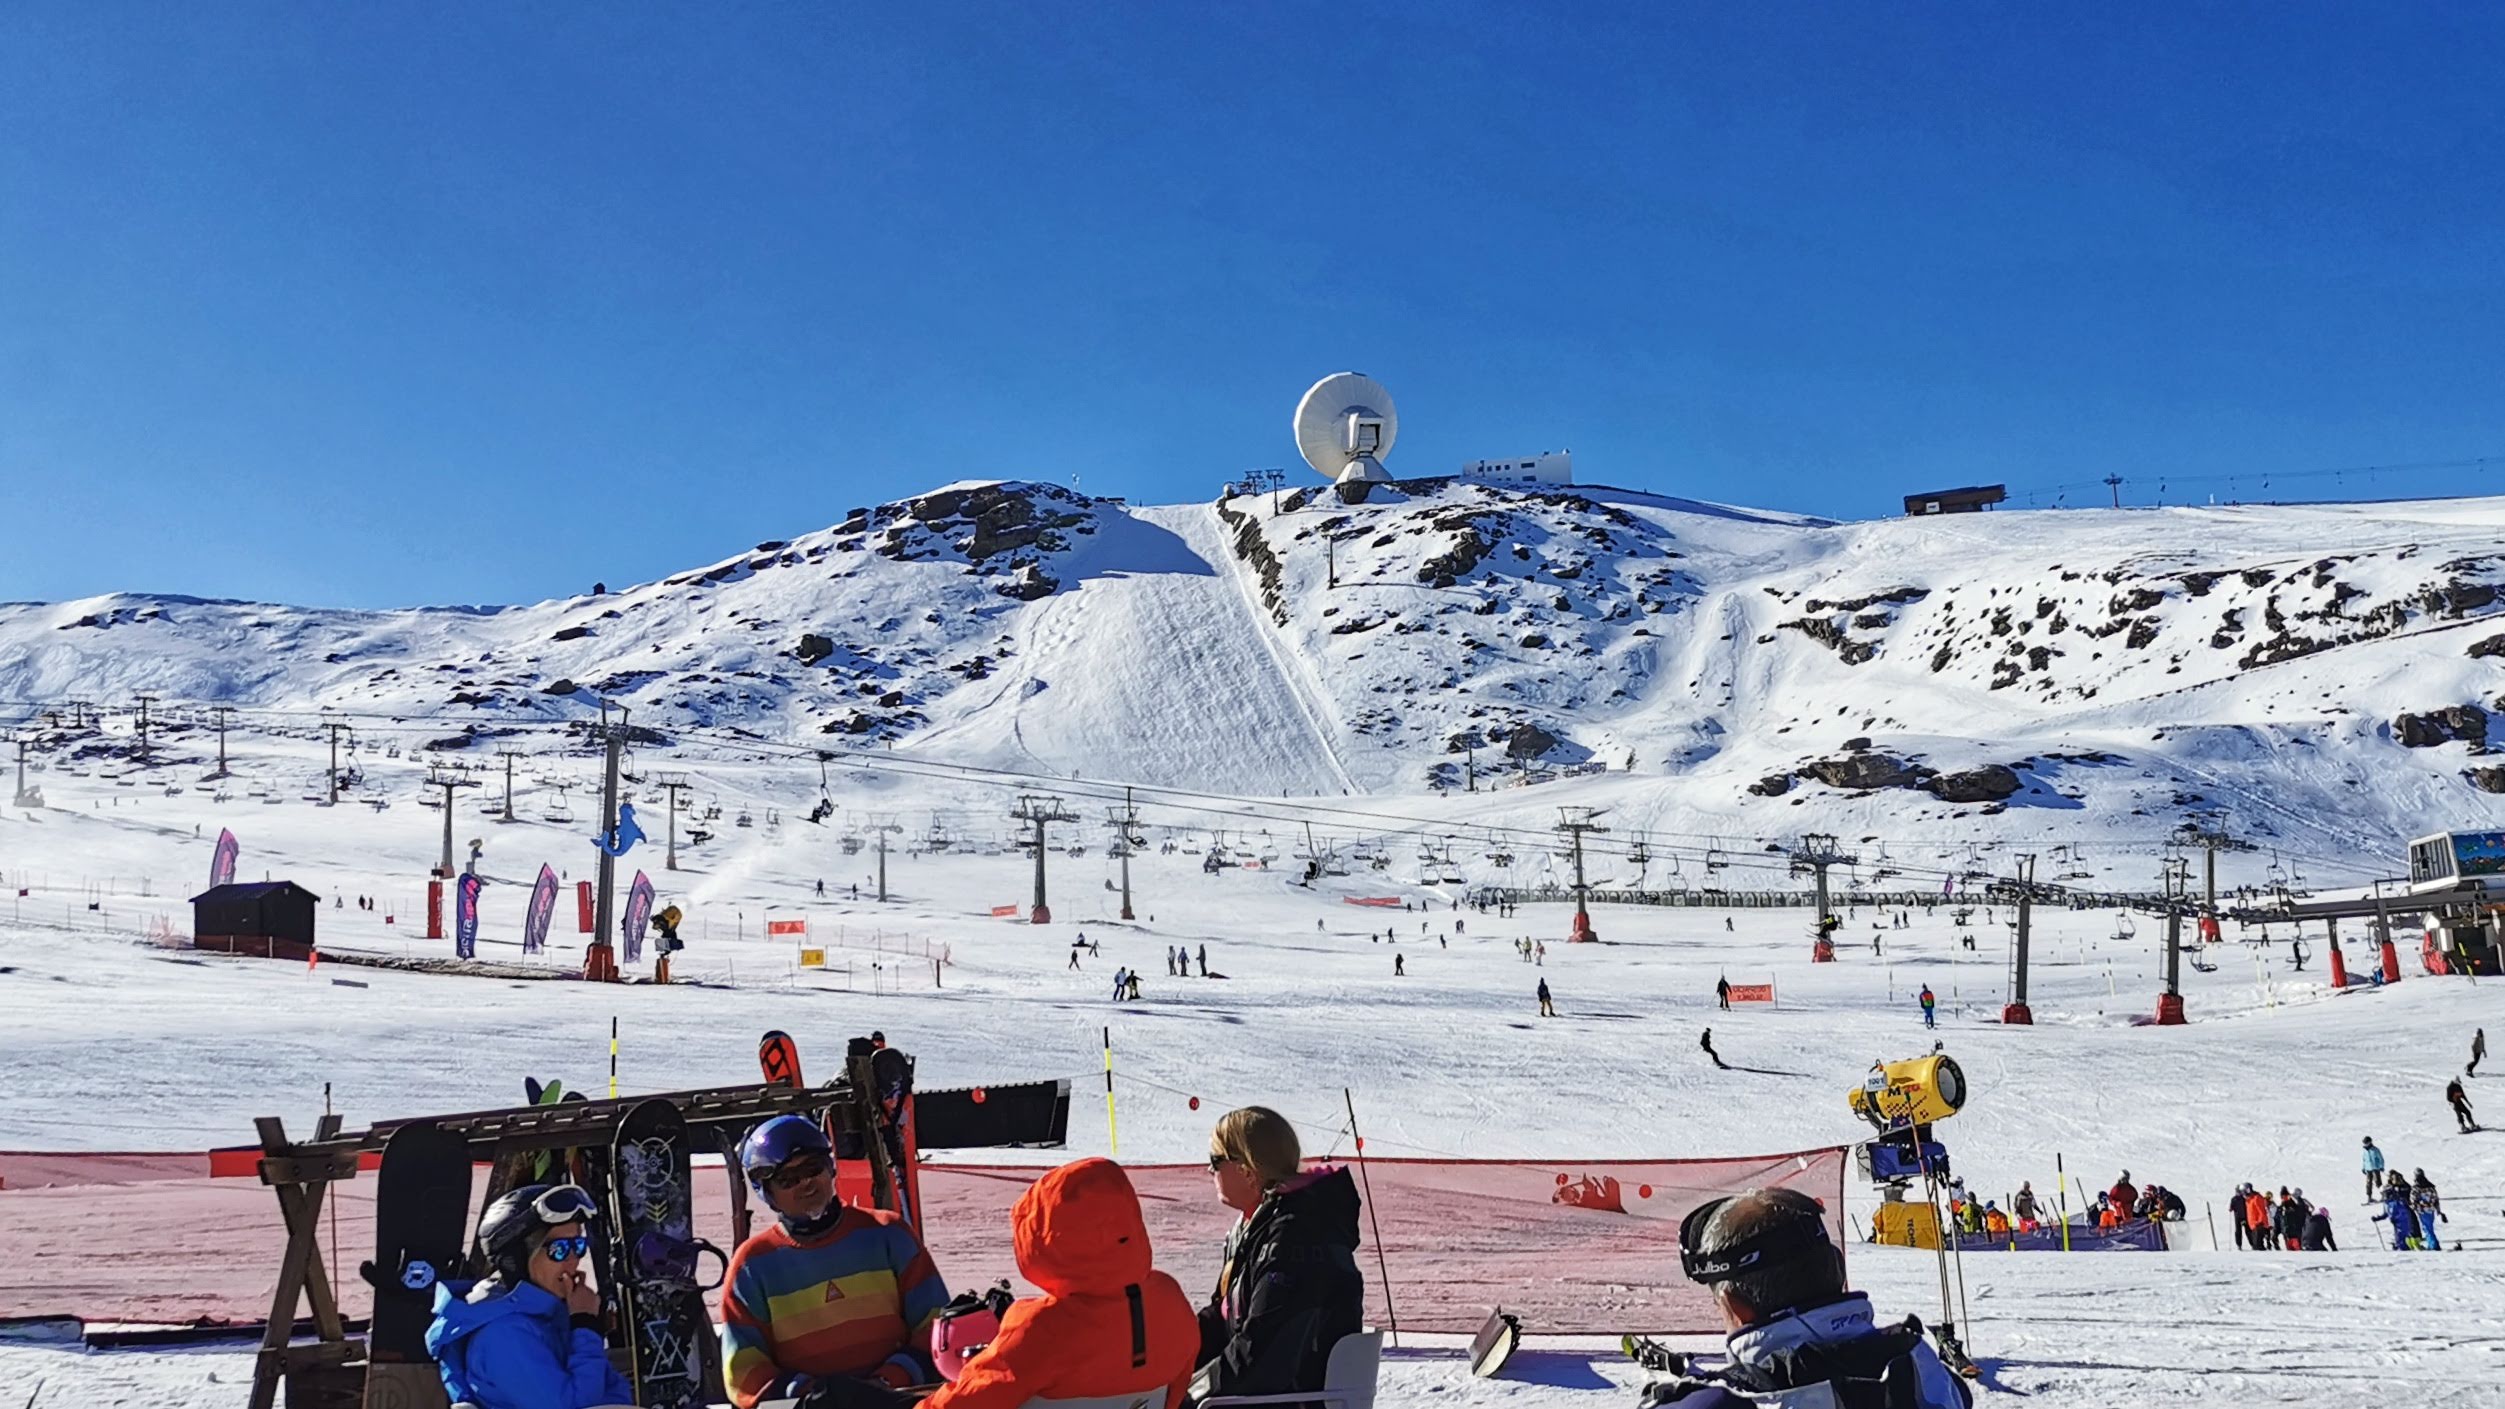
x,y
1547,467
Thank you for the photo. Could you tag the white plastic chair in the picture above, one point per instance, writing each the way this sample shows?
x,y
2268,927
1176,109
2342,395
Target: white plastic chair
x,y
1348,1377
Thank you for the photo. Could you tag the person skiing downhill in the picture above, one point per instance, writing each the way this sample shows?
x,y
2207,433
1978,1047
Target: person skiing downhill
x,y
2429,1208
2372,1164
1722,993
1706,1042
1930,1007
2398,1213
1548,1009
2478,1051
2459,1100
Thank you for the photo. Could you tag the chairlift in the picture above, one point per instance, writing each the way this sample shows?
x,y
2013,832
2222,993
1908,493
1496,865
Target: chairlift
x,y
851,845
744,819
1715,859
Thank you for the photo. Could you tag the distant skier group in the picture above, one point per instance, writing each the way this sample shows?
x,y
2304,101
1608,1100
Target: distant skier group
x,y
2411,1207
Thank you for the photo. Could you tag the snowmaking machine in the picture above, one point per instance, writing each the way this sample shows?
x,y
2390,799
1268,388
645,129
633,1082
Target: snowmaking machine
x,y
1902,1101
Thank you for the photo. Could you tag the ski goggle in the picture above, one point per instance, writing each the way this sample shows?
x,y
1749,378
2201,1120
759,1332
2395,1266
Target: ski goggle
x,y
1780,1243
566,1203
566,1249
796,1171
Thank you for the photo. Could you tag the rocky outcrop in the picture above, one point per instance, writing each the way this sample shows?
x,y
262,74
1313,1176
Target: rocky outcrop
x,y
1992,782
1772,785
1529,741
2468,723
1861,771
2492,646
813,648
2486,780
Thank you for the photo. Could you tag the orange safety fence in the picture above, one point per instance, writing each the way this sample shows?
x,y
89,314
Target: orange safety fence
x,y
1567,1245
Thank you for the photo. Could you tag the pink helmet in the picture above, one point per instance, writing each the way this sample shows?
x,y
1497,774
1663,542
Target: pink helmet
x,y
964,1326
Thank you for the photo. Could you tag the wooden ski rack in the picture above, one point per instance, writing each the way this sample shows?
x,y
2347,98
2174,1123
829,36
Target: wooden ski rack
x,y
321,1373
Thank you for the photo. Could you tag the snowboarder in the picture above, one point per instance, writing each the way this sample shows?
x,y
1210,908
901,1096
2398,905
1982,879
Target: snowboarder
x,y
1548,1009
1930,1007
1399,968
1706,1042
2478,1050
2372,1164
2459,1099
1134,986
1722,993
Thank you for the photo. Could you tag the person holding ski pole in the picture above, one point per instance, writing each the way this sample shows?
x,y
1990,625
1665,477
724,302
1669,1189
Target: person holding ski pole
x,y
527,1336
2372,1164
2459,1100
1796,1335
1722,993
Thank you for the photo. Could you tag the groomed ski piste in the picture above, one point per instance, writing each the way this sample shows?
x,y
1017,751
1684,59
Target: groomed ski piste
x,y
117,1038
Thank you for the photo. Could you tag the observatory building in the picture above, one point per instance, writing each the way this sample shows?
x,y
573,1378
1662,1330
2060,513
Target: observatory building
x,y
1547,467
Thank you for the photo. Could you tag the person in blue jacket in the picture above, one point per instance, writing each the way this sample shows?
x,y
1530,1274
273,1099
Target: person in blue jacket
x,y
2398,1213
527,1335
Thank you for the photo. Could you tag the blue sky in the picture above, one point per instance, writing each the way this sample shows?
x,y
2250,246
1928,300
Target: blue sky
x,y
378,304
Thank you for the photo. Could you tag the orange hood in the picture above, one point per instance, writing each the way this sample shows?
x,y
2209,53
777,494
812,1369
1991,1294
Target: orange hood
x,y
1078,1230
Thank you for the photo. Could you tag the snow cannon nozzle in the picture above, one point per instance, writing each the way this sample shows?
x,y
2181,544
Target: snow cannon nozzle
x,y
1915,1092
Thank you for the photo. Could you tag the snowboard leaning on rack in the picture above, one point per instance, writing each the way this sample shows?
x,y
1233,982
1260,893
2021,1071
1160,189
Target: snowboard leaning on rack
x,y
661,1313
421,1217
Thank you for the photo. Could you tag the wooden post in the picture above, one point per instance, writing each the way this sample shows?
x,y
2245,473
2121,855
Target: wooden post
x,y
301,1184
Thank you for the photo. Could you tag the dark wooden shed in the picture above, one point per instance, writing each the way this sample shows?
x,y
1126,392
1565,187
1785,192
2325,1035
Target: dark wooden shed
x,y
1973,499
268,920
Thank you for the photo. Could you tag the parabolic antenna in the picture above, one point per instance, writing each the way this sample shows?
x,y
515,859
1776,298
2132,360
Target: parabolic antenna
x,y
1345,426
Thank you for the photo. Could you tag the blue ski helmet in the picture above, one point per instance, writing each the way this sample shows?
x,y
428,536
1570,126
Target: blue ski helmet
x,y
771,1144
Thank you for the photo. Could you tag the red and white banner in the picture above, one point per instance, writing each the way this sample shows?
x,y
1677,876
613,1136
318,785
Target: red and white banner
x,y
998,911
1378,902
1752,992
797,928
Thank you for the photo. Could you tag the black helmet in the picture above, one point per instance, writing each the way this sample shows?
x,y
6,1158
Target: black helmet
x,y
511,1227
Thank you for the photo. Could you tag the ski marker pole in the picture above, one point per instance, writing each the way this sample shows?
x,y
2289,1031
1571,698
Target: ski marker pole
x,y
1113,1136
1389,1314
613,1056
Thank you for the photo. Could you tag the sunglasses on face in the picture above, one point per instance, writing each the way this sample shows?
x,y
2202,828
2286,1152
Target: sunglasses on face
x,y
797,1172
566,1249
1218,1161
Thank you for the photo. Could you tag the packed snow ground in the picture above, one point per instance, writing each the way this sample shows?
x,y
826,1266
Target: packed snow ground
x,y
2275,1080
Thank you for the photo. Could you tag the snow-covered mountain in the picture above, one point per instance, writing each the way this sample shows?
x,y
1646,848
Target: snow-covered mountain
x,y
2324,674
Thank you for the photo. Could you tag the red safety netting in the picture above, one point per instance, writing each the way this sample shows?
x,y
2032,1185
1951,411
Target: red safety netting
x,y
1568,1246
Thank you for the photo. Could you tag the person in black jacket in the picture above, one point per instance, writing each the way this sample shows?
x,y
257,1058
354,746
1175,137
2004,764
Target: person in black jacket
x,y
1289,1287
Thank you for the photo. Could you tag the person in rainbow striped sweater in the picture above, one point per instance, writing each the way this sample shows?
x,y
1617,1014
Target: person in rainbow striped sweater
x,y
831,1305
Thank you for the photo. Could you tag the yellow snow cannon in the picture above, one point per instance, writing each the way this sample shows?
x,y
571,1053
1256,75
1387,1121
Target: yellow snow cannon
x,y
1913,1092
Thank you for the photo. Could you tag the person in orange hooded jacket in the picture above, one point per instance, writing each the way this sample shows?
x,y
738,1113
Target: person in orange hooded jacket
x,y
1108,1322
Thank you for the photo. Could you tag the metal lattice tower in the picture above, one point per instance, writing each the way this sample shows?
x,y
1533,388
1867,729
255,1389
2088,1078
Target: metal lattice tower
x,y
1575,822
1040,811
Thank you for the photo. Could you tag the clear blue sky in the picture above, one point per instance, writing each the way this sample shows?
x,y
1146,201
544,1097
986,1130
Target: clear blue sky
x,y
373,304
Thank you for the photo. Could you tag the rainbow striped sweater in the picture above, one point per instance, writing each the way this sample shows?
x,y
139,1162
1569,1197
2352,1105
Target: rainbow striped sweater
x,y
840,1303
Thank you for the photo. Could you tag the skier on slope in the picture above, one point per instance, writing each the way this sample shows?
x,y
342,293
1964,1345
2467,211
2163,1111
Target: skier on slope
x,y
1797,1337
2459,1100
2398,1213
1722,993
2024,1205
1548,1009
829,1304
1706,1042
527,1335
2478,1051
2429,1208
1930,1007
2317,1236
2372,1164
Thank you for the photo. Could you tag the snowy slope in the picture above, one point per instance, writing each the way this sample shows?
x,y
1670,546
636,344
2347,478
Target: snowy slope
x,y
2316,674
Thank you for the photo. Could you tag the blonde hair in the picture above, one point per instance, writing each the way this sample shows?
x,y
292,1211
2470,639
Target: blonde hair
x,y
1261,1140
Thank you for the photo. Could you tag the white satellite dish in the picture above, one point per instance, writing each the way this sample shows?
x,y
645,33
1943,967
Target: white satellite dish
x,y
1345,426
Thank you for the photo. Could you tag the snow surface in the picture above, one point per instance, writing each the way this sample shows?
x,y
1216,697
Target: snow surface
x,y
1158,656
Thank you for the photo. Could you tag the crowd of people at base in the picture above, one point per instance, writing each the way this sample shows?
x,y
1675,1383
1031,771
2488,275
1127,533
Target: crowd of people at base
x,y
2028,1213
2290,1223
2411,1206
835,1306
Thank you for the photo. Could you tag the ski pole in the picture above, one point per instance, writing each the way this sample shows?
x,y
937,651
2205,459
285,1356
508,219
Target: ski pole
x,y
1113,1137
1389,1314
613,1056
